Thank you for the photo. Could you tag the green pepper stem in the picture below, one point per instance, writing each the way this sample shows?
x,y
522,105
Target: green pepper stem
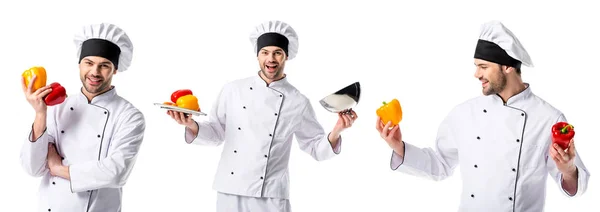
x,y
384,103
564,129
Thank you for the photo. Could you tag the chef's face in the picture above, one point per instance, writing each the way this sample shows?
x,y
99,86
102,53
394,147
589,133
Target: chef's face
x,y
272,61
491,75
96,74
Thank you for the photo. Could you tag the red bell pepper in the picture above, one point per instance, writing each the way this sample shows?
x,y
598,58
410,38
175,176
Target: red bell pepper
x,y
562,133
56,96
180,93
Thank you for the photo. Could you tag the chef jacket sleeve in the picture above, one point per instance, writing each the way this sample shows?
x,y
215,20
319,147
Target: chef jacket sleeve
x,y
311,137
435,164
113,170
582,172
34,151
212,131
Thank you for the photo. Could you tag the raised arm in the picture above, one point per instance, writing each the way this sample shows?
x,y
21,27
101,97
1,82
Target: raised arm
x,y
567,168
35,147
436,163
312,138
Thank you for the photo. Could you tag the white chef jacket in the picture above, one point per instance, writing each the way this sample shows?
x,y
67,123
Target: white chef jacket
x,y
99,141
503,150
258,122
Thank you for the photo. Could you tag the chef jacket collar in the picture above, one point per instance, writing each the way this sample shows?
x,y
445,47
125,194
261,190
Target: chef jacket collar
x,y
103,97
518,98
281,83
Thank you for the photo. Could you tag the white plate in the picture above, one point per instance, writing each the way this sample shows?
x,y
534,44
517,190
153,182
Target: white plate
x,y
178,109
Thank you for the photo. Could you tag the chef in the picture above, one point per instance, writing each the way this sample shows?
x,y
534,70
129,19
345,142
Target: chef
x,y
85,148
502,139
255,118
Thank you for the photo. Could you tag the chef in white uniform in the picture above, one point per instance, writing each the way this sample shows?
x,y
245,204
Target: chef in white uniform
x,y
502,139
85,148
255,118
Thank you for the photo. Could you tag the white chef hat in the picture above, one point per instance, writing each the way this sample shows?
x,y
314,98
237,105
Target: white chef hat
x,y
275,33
499,45
107,41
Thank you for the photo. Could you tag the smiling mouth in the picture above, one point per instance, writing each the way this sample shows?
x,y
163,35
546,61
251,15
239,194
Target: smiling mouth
x,y
94,81
271,68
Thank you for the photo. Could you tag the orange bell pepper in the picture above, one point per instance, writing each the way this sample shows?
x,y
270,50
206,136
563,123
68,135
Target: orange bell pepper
x,y
40,80
391,111
189,102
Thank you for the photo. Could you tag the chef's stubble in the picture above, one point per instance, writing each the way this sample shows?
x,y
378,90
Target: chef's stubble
x,y
498,85
103,86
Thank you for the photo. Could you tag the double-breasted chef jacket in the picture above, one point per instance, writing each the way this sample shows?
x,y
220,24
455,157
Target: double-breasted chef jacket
x,y
503,150
256,124
99,141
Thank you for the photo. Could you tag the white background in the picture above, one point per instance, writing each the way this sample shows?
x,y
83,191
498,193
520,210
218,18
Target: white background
x,y
428,46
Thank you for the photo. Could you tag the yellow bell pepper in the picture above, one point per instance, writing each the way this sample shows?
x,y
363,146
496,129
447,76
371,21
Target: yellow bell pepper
x,y
40,80
189,102
391,111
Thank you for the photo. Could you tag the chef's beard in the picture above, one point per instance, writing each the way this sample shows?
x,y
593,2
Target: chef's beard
x,y
495,87
95,89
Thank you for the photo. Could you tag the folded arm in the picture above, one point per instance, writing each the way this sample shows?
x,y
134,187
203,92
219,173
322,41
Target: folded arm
x,y
113,170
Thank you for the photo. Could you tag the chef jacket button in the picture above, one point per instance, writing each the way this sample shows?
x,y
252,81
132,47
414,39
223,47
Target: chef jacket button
x,y
62,131
49,209
510,198
262,178
514,170
280,95
472,195
53,183
478,138
275,114
266,156
98,136
475,166
250,88
231,172
485,111
244,107
234,151
239,128
105,112
522,114
518,140
71,109
271,135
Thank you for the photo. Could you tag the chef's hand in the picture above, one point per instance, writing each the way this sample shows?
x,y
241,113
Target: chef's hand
x,y
54,159
393,137
36,98
183,119
565,160
345,121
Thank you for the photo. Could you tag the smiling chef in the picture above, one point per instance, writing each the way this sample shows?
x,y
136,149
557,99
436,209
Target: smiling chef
x,y
256,118
502,139
85,148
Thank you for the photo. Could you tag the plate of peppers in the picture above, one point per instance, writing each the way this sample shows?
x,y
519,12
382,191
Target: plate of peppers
x,y
184,101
